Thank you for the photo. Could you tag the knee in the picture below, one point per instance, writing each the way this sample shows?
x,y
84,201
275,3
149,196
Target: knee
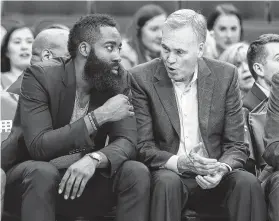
x,y
41,175
136,174
246,181
166,180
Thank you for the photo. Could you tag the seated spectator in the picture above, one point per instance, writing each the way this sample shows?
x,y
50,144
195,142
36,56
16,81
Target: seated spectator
x,y
191,128
225,25
236,55
270,182
143,36
65,133
48,44
262,65
15,54
15,57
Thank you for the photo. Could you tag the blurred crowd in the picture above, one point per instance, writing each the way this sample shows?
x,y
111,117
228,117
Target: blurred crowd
x,y
141,43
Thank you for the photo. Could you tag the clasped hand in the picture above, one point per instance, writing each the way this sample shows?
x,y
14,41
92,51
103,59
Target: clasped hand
x,y
209,171
76,177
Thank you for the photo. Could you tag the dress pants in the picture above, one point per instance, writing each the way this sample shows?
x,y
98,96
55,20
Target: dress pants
x,y
32,192
271,188
239,192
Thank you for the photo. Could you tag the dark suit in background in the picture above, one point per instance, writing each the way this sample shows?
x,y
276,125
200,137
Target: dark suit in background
x,y
221,125
254,97
271,154
46,106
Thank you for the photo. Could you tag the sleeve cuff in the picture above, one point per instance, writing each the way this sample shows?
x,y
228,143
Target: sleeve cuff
x,y
171,164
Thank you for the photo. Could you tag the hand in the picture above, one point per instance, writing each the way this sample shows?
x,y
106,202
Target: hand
x,y
209,181
115,108
196,163
77,177
212,180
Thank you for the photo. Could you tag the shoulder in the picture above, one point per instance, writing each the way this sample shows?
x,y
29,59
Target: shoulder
x,y
51,69
220,68
146,70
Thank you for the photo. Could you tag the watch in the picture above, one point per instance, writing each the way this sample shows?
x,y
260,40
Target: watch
x,y
95,156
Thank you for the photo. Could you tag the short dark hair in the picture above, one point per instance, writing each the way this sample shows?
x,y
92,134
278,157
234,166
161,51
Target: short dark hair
x,y
257,52
88,29
5,61
224,9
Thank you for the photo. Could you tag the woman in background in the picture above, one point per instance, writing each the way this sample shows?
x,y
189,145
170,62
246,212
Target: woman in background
x,y
143,37
16,53
236,55
225,26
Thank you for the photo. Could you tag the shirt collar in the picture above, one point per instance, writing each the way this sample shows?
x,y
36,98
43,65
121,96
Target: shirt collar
x,y
265,91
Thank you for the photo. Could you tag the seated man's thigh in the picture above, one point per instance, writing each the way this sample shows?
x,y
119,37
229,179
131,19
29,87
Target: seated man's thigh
x,y
27,181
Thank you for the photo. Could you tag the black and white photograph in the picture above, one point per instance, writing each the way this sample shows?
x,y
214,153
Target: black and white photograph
x,y
139,110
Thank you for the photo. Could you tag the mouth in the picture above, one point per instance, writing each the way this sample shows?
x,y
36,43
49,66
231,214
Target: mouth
x,y
25,55
170,69
115,69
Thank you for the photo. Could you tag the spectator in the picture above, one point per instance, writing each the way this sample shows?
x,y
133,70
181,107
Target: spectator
x,y
225,25
263,65
268,65
54,42
191,128
15,54
236,55
143,36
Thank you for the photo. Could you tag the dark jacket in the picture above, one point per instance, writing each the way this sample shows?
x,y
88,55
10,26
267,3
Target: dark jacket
x,y
46,105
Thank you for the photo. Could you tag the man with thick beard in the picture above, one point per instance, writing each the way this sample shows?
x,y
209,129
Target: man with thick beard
x,y
68,108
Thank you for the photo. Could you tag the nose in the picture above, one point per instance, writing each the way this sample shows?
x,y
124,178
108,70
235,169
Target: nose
x,y
159,34
116,57
171,58
25,45
229,33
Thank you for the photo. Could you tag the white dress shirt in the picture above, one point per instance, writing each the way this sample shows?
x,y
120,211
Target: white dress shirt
x,y
190,136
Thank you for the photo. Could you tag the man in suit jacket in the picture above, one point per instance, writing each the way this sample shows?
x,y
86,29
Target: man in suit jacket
x,y
68,107
191,128
262,70
48,44
271,137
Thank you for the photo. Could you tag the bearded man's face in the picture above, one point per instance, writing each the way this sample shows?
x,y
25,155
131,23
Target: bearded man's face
x,y
102,68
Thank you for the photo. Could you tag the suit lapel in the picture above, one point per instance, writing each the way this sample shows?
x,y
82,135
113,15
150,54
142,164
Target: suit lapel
x,y
258,92
205,92
67,95
165,91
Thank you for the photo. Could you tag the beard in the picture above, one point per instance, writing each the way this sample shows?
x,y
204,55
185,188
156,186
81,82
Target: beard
x,y
98,73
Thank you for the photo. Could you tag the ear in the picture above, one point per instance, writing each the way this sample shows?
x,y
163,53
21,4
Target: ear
x,y
201,50
258,68
46,55
84,49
